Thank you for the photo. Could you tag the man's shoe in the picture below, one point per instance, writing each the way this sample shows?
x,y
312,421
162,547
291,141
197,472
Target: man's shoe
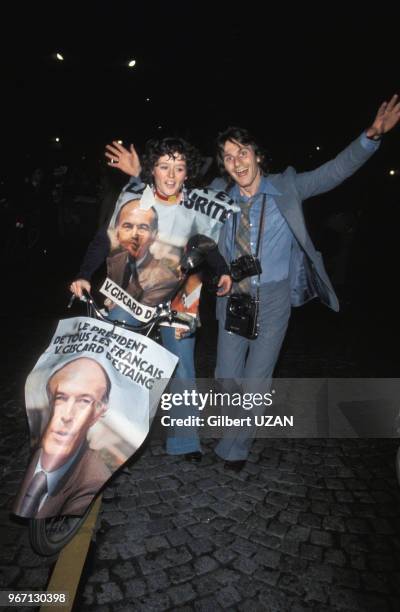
x,y
235,466
194,457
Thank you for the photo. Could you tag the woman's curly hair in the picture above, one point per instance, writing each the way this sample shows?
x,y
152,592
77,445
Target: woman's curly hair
x,y
156,148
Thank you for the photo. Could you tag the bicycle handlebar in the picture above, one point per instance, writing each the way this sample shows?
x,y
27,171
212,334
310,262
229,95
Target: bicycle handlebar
x,y
195,254
163,314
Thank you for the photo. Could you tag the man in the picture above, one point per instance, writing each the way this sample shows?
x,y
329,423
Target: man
x,y
292,270
147,279
64,473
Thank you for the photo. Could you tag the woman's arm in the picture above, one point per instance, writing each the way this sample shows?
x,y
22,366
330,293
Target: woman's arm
x,y
95,255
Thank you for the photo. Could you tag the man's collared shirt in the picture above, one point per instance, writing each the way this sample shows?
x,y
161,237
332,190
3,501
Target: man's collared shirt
x,y
275,246
54,477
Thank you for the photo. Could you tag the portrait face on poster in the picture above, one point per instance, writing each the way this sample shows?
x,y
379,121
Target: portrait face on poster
x,y
136,229
78,396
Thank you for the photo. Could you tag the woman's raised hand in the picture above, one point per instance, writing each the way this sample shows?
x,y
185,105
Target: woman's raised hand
x,y
126,160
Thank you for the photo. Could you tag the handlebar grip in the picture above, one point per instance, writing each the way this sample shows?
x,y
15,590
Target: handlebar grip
x,y
163,313
85,298
87,295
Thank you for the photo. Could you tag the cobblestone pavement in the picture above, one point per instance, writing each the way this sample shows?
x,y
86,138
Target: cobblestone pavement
x,y
307,525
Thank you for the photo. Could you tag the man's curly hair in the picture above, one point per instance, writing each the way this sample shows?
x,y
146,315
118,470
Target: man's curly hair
x,y
156,148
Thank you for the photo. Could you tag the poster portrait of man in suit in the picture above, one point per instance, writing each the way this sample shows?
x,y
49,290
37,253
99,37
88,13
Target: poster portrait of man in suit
x,y
147,279
64,473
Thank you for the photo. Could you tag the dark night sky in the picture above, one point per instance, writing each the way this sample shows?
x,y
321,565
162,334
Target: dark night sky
x,y
295,77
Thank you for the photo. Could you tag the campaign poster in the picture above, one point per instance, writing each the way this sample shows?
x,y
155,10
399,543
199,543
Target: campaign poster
x,y
90,400
147,242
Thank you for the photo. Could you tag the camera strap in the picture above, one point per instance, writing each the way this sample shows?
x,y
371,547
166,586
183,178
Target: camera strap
x,y
261,226
243,308
259,243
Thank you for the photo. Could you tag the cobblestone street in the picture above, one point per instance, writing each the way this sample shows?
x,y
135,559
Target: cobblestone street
x,y
307,525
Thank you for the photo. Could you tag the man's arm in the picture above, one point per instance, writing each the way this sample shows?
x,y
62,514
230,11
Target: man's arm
x,y
334,172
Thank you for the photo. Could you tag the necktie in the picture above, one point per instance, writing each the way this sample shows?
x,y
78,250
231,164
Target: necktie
x,y
36,490
130,281
129,271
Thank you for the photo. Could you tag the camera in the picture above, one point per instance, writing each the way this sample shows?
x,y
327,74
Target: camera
x,y
244,266
241,315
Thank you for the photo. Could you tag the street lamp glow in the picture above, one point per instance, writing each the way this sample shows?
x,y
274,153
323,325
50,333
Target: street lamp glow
x,y
59,57
392,172
57,139
132,63
318,148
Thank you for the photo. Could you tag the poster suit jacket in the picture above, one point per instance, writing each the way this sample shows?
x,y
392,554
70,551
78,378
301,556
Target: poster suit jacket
x,y
156,279
307,274
75,490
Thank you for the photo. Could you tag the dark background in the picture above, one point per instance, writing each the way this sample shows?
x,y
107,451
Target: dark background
x,y
299,78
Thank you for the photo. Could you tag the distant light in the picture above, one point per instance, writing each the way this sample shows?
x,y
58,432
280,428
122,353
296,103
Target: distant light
x,y
57,139
119,141
147,99
392,172
132,63
318,148
59,57
159,127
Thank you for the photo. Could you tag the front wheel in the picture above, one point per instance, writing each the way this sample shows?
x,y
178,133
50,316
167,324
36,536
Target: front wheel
x,y
49,535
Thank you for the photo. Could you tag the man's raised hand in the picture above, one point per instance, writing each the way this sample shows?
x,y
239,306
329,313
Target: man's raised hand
x,y
387,117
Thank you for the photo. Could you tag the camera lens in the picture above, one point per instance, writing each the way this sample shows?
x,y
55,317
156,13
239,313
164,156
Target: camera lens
x,y
233,309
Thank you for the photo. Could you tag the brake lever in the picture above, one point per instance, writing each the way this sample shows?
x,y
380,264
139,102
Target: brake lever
x,y
73,297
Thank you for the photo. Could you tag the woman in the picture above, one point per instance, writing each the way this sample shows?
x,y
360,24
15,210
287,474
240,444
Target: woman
x,y
153,221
